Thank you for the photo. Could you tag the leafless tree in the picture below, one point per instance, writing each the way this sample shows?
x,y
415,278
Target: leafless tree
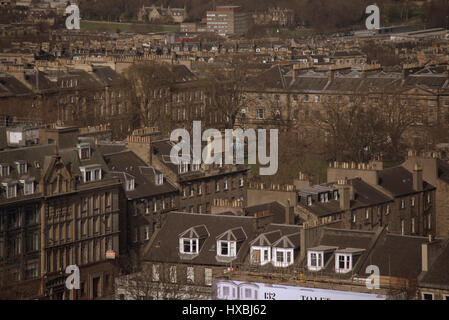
x,y
149,91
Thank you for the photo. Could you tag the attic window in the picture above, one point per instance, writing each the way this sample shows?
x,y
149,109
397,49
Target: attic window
x,y
11,189
226,248
84,151
159,179
91,173
315,260
28,186
282,257
21,167
4,170
188,246
343,263
130,184
309,200
336,195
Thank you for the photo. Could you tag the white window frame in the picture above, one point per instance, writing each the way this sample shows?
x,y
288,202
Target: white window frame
x,y
21,165
319,260
28,187
8,170
285,262
225,184
130,184
232,248
11,190
347,259
423,293
159,179
309,201
92,172
262,255
191,241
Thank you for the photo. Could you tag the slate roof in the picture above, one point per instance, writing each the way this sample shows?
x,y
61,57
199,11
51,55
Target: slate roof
x,y
396,256
399,181
364,196
438,274
10,86
127,162
165,247
443,170
274,208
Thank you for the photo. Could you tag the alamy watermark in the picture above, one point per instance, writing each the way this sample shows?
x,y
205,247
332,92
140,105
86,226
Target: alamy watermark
x,y
73,20
73,280
219,146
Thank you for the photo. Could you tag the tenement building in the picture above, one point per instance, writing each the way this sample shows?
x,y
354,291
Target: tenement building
x,y
366,196
59,207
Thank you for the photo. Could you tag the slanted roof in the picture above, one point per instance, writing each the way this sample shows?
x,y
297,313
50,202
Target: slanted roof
x,y
438,274
165,247
145,176
399,181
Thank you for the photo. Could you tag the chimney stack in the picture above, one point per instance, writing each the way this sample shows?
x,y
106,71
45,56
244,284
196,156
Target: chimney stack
x,y
345,192
429,252
417,178
289,219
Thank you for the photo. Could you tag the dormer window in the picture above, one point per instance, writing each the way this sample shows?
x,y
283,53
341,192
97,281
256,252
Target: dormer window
x,y
315,260
343,263
317,257
28,186
130,184
345,259
91,173
260,255
22,167
336,195
226,248
183,167
4,170
84,151
188,246
159,179
282,257
11,189
191,240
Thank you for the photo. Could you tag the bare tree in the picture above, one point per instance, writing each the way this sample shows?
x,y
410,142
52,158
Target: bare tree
x,y
162,284
149,91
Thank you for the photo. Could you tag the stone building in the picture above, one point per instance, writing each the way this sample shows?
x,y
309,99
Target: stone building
x,y
161,14
59,207
436,172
